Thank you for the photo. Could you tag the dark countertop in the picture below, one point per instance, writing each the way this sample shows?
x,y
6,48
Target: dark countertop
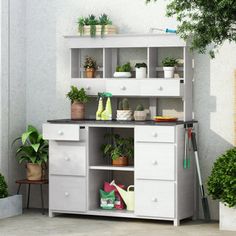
x,y
115,122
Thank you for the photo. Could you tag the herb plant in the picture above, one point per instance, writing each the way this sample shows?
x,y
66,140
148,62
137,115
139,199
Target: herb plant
x,y
222,181
3,187
124,68
90,63
76,95
169,62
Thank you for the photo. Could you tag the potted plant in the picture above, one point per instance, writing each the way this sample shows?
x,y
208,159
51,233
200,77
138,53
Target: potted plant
x,y
33,151
118,148
9,205
78,99
140,114
140,70
90,66
124,112
105,25
169,64
222,186
123,71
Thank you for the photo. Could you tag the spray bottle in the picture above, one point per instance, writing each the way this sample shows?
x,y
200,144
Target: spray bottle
x,y
107,113
100,107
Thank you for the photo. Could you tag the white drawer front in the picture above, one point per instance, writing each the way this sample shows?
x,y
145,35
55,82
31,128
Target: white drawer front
x,y
161,87
67,193
155,134
61,132
129,87
155,161
155,198
67,158
91,86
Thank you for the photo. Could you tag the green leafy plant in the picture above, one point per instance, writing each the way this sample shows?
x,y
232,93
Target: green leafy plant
x,y
140,65
76,95
89,63
124,68
123,104
3,187
92,21
169,62
33,149
118,146
103,21
81,24
222,181
204,22
139,107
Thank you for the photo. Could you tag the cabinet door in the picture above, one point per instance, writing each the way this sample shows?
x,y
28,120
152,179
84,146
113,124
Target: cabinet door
x,y
155,198
155,161
67,158
67,193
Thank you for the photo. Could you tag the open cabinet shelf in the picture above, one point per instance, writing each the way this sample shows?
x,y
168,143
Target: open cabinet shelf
x,y
109,167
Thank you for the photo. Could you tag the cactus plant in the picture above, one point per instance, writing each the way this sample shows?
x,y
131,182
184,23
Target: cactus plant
x,y
125,104
139,107
120,105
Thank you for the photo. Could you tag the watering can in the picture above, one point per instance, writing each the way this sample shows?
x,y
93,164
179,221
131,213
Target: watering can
x,y
127,196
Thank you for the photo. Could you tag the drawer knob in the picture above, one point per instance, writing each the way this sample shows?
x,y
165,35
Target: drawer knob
x,y
160,88
67,159
60,132
155,163
67,194
154,135
154,199
88,88
123,88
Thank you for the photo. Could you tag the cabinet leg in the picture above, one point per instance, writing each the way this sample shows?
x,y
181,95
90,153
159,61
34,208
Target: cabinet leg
x,y
51,214
176,222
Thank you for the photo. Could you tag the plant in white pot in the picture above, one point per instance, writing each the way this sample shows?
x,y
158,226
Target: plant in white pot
x,y
140,70
9,205
169,64
140,114
124,112
222,186
123,71
34,152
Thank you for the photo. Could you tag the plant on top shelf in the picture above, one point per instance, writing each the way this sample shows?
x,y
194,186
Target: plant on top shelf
x,y
119,149
34,151
90,66
3,187
169,64
124,112
78,99
104,20
140,70
139,113
123,71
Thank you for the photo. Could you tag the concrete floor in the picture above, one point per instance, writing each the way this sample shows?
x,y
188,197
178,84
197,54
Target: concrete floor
x,y
33,223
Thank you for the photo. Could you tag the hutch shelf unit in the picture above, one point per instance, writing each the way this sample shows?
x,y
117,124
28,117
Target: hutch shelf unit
x,y
164,190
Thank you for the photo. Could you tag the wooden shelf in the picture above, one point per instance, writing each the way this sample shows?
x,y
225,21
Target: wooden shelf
x,y
109,167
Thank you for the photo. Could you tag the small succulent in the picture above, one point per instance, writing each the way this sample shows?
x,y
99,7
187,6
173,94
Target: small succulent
x,y
104,20
123,104
124,68
169,62
139,65
81,23
92,21
139,107
90,63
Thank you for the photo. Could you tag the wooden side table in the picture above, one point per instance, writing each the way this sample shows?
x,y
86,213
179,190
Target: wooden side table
x,y
29,182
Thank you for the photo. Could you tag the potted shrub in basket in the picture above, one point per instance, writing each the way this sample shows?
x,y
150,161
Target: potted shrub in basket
x,y
169,64
222,186
140,70
124,112
140,114
34,152
118,148
78,99
9,205
90,66
123,71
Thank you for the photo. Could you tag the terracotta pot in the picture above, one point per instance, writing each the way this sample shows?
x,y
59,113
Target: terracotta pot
x,y
34,171
77,111
120,161
90,72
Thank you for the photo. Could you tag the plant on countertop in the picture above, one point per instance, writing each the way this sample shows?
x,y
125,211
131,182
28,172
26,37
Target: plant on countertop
x,y
123,104
169,62
89,63
222,181
139,107
124,68
140,65
3,187
76,95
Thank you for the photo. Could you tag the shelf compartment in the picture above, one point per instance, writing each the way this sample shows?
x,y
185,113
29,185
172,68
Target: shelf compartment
x,y
112,213
109,167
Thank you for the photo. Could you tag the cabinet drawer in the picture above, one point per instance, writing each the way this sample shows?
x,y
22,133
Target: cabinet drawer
x,y
67,193
67,158
155,134
61,132
155,161
161,87
155,198
91,86
129,87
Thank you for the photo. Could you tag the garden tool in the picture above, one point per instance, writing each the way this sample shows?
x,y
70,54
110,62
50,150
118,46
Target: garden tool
x,y
107,113
205,204
173,31
127,196
100,107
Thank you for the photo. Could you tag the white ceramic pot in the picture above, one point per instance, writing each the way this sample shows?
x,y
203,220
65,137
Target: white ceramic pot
x,y
227,217
124,115
169,72
122,74
141,72
140,115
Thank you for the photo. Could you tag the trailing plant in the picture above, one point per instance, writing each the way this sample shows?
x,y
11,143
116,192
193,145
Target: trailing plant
x,y
140,65
76,95
117,146
81,24
139,107
90,63
3,187
169,62
124,68
103,21
204,22
33,149
92,21
222,181
123,104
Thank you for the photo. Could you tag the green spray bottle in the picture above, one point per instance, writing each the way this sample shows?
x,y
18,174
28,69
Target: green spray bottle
x,y
100,107
107,113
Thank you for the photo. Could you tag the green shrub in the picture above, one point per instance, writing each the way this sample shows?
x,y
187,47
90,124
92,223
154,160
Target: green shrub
x,y
124,68
169,62
76,95
3,187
